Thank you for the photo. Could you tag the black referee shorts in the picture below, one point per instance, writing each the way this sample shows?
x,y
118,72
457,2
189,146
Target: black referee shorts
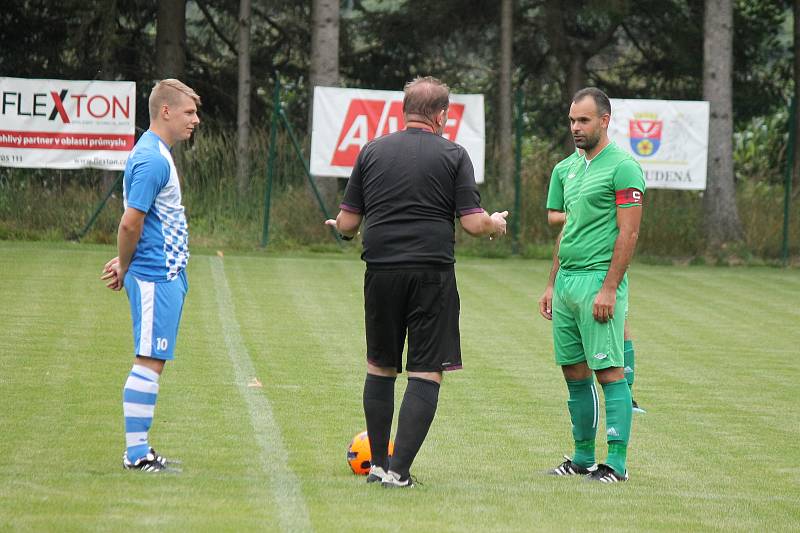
x,y
422,301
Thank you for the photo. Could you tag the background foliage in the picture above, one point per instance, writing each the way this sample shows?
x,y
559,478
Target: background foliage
x,y
383,43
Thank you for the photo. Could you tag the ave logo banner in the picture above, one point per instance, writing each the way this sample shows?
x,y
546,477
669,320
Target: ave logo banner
x,y
669,138
66,124
347,119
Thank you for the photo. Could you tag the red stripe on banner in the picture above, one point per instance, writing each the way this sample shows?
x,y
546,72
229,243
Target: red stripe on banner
x,y
629,196
48,140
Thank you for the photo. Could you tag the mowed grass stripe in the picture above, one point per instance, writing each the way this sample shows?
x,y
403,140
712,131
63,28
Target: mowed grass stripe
x,y
723,318
309,315
643,436
757,345
67,436
203,419
293,514
714,452
45,363
510,401
754,292
722,392
324,299
693,355
515,291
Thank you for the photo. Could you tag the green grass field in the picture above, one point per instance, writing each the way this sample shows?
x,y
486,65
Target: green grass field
x,y
717,369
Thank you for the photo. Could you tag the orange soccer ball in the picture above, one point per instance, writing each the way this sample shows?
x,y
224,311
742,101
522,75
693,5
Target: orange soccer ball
x,y
359,454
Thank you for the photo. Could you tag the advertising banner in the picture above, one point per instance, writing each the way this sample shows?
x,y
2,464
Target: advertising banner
x,y
346,119
66,124
669,138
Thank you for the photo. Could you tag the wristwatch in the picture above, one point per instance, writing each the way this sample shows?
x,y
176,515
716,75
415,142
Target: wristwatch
x,y
345,237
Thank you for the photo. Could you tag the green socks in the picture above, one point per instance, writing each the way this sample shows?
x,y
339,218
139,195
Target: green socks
x,y
618,422
629,364
584,412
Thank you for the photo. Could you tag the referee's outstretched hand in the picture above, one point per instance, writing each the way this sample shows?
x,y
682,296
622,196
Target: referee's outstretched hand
x,y
499,220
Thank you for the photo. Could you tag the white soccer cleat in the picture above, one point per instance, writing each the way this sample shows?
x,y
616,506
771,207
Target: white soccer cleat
x,y
393,481
376,474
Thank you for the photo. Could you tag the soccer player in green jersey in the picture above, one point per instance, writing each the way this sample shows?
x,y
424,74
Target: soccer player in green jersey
x,y
557,217
586,296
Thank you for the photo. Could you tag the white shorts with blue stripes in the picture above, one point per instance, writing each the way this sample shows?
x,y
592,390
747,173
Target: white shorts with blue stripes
x,y
156,309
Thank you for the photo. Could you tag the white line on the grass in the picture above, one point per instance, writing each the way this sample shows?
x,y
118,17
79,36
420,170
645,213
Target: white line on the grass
x,y
274,459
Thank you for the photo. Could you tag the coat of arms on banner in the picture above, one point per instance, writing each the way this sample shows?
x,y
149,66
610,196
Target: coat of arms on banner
x,y
645,134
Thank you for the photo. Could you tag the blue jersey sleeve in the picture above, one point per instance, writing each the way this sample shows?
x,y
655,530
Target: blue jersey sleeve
x,y
147,179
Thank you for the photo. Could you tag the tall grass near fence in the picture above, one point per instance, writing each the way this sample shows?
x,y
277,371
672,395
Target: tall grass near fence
x,y
220,217
55,204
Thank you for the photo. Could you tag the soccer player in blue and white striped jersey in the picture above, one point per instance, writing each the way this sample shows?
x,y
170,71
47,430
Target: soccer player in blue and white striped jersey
x,y
153,249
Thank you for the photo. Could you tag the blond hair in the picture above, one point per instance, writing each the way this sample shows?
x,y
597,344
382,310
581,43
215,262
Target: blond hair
x,y
168,92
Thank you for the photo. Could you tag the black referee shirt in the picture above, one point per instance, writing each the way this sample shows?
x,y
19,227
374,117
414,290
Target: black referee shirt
x,y
409,186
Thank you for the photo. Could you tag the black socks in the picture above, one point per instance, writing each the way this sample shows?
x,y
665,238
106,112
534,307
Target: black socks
x,y
416,416
378,410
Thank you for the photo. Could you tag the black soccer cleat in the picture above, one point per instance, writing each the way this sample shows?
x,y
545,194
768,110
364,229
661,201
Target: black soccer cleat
x,y
636,408
148,463
568,468
606,474
160,458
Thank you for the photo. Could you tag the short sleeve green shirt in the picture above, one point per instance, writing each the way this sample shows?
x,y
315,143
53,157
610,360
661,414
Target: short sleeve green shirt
x,y
555,195
588,195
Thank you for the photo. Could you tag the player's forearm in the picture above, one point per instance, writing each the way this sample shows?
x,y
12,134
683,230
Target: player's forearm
x,y
488,226
479,224
624,247
127,239
476,224
556,264
556,219
347,223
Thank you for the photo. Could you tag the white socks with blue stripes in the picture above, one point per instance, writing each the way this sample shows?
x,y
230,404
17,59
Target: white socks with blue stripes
x,y
138,404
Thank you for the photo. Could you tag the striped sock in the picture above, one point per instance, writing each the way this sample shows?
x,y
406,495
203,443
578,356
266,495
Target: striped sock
x,y
138,404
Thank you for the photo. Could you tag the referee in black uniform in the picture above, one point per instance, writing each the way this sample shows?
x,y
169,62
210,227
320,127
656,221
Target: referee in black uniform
x,y
408,187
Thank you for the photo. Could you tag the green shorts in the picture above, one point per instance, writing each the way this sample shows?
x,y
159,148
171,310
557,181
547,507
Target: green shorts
x,y
577,336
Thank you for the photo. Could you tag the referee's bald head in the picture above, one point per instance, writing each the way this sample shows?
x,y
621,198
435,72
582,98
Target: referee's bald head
x,y
425,96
